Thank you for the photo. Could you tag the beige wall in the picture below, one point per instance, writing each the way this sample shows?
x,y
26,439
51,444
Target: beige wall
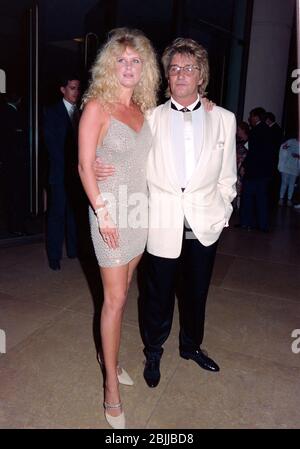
x,y
268,55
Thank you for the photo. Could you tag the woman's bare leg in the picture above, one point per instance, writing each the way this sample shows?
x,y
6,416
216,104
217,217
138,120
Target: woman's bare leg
x,y
115,292
116,282
131,268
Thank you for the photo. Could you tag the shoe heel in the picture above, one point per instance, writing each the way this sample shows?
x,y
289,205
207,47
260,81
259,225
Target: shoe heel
x,y
123,378
184,356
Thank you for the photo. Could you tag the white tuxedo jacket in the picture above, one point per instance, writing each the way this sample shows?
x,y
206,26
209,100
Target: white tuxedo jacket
x,y
206,201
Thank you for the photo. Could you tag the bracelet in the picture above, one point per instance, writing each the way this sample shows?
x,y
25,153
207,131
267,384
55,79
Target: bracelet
x,y
100,208
102,217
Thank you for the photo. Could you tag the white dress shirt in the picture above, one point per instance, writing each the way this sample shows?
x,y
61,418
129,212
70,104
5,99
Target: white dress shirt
x,y
69,107
186,137
73,113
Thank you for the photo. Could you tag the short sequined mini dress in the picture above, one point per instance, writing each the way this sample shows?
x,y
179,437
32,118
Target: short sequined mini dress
x,y
125,192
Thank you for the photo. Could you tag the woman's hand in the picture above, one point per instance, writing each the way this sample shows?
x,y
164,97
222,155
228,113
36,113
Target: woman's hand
x,y
107,228
208,104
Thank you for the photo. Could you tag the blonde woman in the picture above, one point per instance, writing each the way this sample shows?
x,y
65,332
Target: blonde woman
x,y
125,79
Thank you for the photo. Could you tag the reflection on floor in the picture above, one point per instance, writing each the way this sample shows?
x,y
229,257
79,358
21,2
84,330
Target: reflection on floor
x,y
50,377
33,226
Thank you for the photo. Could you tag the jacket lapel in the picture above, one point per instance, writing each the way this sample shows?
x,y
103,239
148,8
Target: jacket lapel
x,y
166,145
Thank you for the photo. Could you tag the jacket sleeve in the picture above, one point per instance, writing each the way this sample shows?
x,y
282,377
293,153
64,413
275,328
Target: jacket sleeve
x,y
54,138
50,131
228,177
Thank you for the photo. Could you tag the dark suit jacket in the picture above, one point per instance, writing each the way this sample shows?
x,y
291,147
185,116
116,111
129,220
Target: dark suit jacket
x,y
259,160
61,144
276,133
276,137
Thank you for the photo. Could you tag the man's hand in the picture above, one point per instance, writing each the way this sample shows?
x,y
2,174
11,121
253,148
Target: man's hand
x,y
103,171
208,104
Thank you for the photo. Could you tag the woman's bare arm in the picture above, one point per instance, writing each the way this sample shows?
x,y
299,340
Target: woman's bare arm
x,y
93,126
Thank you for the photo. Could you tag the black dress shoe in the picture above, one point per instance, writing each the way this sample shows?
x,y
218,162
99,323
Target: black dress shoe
x,y
72,256
54,264
200,358
151,371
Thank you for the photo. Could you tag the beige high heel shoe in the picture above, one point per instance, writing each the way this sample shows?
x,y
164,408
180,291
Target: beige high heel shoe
x,y
123,377
116,422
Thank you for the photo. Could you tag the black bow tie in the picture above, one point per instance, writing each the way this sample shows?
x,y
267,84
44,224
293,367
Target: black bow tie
x,y
197,106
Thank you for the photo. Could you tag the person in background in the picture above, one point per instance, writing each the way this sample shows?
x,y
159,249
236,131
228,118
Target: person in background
x,y
60,136
289,167
276,131
242,135
258,166
276,136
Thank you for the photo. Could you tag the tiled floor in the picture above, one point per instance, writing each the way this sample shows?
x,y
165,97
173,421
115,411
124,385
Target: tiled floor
x,y
50,377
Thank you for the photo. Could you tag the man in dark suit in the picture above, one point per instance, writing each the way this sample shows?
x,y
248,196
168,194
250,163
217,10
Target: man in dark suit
x,y
276,139
276,131
60,134
258,166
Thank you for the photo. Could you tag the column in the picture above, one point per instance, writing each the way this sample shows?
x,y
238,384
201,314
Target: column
x,y
268,55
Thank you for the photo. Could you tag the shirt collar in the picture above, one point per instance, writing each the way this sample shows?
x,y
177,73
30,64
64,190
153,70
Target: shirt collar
x,y
190,106
69,106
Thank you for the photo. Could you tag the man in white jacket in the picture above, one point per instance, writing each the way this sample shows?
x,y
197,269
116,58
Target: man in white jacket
x,y
191,175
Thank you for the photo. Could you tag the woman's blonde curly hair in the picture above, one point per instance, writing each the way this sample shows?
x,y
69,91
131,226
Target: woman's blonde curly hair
x,y
104,84
188,47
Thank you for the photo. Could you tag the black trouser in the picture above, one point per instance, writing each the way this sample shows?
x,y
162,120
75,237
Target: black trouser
x,y
60,223
255,203
195,265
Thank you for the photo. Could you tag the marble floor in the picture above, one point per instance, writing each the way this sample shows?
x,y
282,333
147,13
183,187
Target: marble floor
x,y
49,376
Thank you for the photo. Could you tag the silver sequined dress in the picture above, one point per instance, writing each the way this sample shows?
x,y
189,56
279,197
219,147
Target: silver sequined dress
x,y
125,192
